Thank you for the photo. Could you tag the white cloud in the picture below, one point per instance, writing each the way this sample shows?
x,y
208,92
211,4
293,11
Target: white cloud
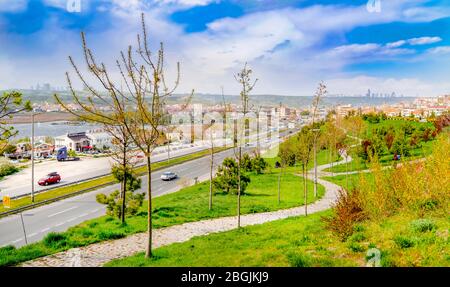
x,y
424,40
439,50
396,44
13,5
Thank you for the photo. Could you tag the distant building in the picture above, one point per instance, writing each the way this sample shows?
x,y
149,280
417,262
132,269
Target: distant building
x,y
99,138
73,141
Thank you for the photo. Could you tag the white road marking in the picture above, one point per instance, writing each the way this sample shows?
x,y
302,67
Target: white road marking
x,y
45,230
82,215
70,220
59,224
57,213
32,234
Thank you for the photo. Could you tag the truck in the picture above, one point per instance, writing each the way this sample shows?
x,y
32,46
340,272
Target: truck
x,y
62,155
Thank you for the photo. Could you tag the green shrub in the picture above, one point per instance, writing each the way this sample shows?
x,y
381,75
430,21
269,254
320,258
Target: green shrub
x,y
357,237
110,235
7,169
299,260
55,240
403,242
422,225
355,247
6,250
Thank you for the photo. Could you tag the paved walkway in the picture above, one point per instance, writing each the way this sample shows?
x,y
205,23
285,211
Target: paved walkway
x,y
100,253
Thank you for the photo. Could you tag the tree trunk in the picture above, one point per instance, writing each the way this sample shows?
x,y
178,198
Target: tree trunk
x,y
148,252
124,185
279,181
258,149
211,165
239,188
305,178
315,168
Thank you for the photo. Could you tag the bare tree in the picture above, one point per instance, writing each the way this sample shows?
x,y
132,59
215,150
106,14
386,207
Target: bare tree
x,y
88,109
10,104
146,85
321,91
140,108
247,85
303,149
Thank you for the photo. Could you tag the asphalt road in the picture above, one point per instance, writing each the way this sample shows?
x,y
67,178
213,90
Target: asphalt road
x,y
20,183
59,216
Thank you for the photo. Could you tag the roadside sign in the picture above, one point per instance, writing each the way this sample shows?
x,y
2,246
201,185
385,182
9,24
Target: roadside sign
x,y
6,201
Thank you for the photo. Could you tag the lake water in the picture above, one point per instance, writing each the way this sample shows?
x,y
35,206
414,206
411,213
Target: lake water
x,y
52,129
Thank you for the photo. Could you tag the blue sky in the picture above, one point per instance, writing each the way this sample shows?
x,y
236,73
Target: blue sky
x,y
290,44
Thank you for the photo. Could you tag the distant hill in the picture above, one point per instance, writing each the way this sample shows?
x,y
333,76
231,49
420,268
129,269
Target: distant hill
x,y
39,96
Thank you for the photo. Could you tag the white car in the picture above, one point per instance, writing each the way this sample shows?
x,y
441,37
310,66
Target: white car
x,y
168,175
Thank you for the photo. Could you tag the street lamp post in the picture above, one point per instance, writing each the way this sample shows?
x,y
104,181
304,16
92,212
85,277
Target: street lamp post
x,y
32,157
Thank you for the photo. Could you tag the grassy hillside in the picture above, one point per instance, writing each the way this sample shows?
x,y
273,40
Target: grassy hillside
x,y
187,205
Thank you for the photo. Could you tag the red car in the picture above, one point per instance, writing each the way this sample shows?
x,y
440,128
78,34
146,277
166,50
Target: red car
x,y
50,178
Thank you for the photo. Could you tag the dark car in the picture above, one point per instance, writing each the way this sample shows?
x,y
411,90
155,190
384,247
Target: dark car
x,y
168,175
50,178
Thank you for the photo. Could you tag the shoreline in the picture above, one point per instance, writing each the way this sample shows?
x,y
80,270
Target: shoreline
x,y
25,118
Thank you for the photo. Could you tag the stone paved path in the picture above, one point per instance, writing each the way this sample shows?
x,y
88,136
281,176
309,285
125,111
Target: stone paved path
x,y
100,253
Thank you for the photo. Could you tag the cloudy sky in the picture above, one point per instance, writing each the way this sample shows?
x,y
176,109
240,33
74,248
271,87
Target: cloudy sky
x,y
290,44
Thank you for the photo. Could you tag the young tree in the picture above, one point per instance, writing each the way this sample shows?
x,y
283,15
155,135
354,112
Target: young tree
x,y
115,200
144,78
286,156
140,108
112,120
11,103
247,85
227,177
303,152
321,92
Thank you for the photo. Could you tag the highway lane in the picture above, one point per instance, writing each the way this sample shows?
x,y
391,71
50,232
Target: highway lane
x,y
20,183
59,216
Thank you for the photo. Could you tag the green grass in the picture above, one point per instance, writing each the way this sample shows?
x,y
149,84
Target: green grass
x,y
187,205
305,242
385,160
323,157
353,179
91,184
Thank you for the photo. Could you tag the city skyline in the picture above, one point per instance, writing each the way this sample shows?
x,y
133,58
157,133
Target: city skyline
x,y
404,48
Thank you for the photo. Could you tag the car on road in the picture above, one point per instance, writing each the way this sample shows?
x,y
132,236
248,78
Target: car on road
x,y
168,175
50,178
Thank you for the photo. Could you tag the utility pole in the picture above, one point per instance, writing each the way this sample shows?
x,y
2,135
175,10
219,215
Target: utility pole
x,y
32,157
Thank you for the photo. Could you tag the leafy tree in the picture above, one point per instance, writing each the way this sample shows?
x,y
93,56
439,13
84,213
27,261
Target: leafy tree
x,y
303,153
258,164
247,84
8,148
11,103
246,163
115,201
401,146
227,177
